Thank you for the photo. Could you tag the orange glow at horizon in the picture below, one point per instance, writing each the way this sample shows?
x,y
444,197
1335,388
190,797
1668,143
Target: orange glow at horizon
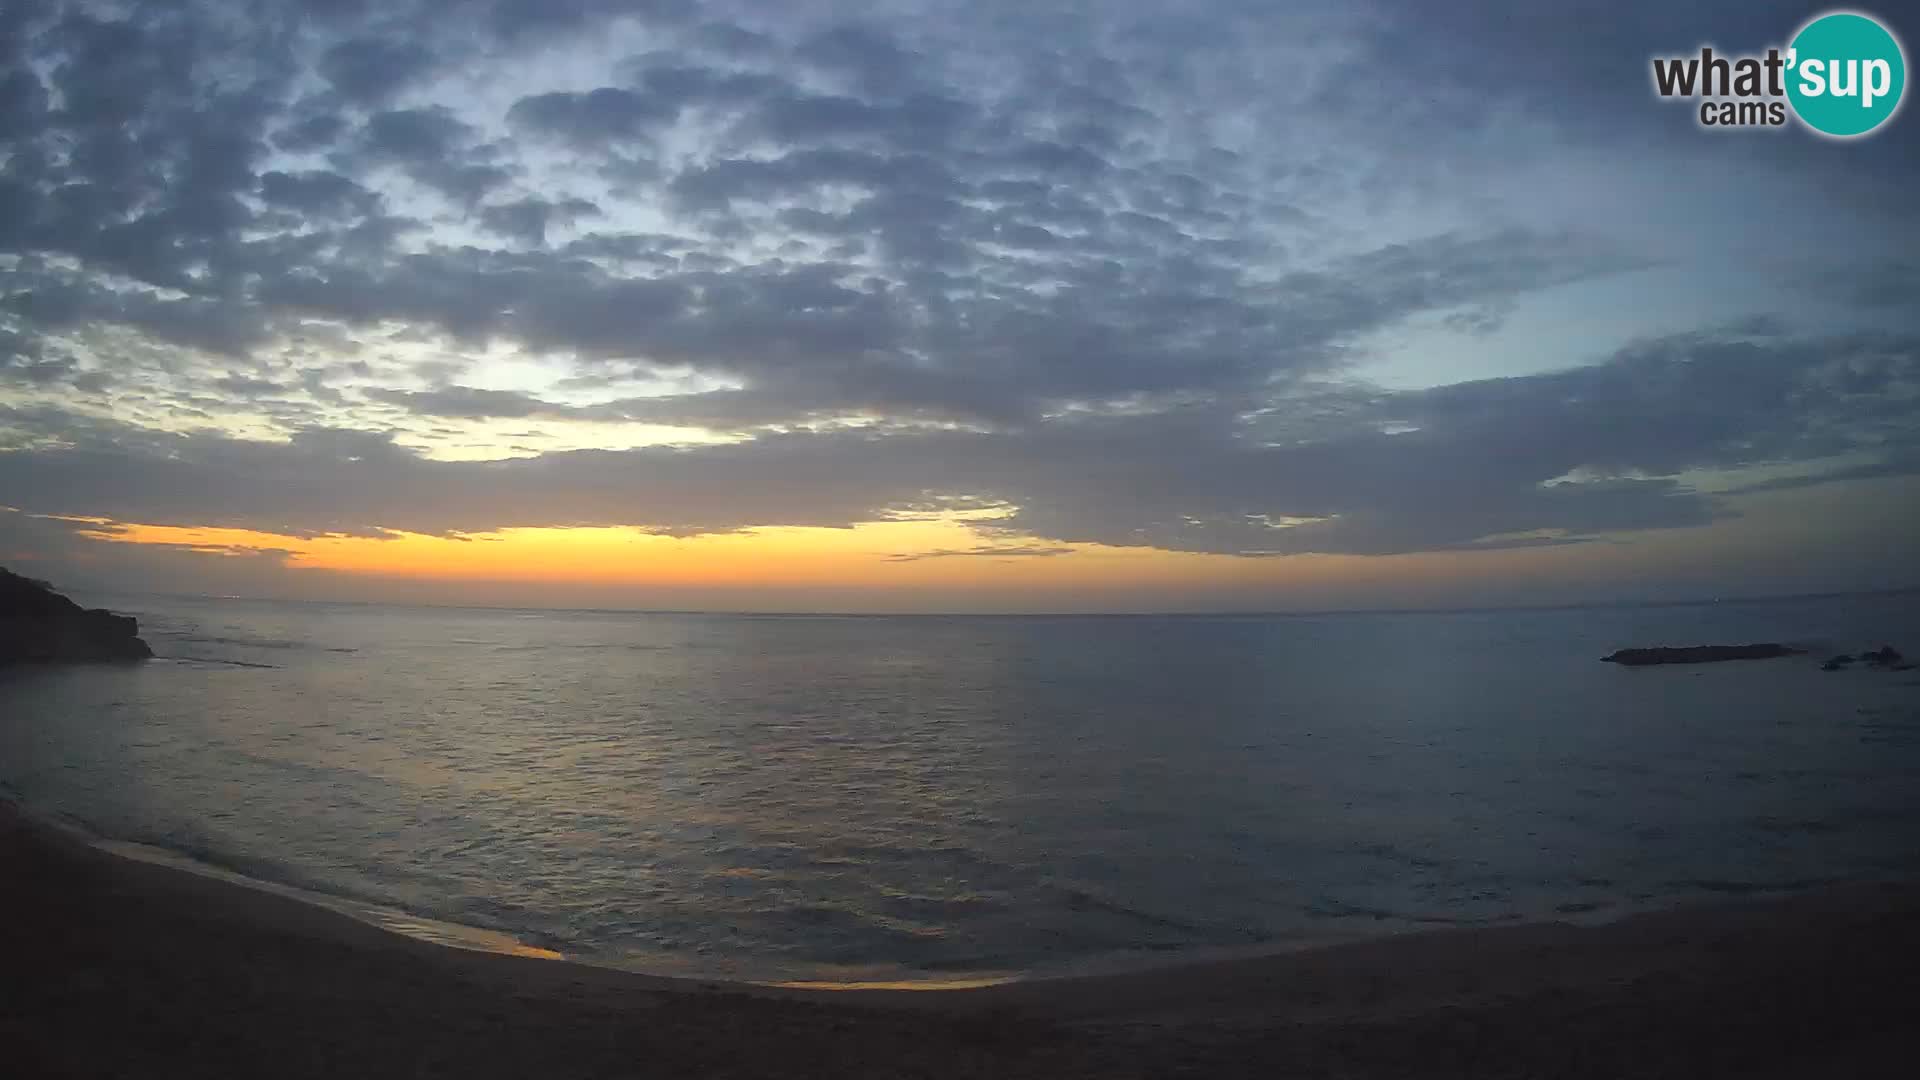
x,y
865,554
873,566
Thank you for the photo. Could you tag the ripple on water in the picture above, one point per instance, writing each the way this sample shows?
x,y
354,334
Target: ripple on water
x,y
873,798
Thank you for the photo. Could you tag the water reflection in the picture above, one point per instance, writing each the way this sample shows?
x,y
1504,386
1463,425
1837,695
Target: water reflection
x,y
774,798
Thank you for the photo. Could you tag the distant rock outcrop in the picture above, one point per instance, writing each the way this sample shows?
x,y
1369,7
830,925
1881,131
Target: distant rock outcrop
x,y
38,625
1700,654
1886,656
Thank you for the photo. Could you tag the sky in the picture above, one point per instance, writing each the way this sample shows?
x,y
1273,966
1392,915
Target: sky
x,y
941,307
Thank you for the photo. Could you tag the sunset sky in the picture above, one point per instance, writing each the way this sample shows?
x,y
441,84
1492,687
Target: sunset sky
x,y
989,306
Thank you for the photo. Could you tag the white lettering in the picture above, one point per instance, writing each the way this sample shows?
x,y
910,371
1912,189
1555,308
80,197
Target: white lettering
x,y
1843,88
1872,87
1813,77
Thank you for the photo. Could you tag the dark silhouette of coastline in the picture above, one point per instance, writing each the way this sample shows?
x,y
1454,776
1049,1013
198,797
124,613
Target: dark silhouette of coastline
x,y
38,625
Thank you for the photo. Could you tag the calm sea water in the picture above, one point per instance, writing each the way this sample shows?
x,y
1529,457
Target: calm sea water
x,y
923,797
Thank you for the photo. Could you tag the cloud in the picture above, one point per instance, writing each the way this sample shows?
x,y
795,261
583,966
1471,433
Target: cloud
x,y
373,70
608,114
1882,284
1121,272
246,386
312,132
435,148
414,135
465,402
527,219
317,194
1012,551
1490,464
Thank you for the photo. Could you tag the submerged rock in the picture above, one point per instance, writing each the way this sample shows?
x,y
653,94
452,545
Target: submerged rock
x,y
1699,654
38,625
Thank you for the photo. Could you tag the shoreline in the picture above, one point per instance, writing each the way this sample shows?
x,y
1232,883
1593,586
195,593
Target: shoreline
x,y
187,972
434,931
867,977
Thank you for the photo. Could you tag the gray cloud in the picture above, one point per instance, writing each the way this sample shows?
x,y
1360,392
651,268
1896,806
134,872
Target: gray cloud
x,y
608,114
434,147
372,70
1114,270
313,132
414,135
465,402
1012,551
1476,473
317,194
526,220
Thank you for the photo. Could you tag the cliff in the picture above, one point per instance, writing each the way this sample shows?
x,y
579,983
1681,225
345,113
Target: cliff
x,y
38,625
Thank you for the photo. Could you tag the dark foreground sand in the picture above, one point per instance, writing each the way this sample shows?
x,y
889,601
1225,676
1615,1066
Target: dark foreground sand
x,y
114,967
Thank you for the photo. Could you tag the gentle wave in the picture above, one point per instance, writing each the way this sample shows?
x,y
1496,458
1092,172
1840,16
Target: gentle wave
x,y
876,800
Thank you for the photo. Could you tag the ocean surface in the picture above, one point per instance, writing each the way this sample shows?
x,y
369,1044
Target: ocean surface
x,y
943,798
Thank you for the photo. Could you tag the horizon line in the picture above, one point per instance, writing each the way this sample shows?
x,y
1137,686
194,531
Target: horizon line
x,y
1130,614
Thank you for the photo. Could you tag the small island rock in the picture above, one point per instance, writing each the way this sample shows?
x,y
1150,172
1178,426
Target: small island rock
x,y
1699,654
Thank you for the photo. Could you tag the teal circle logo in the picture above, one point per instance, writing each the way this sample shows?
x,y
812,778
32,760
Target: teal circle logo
x,y
1846,74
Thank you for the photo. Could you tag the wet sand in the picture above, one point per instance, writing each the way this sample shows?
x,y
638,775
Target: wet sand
x,y
111,966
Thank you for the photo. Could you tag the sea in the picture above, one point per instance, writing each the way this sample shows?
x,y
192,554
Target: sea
x,y
933,800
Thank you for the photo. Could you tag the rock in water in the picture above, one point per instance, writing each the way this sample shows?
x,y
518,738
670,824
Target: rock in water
x,y
38,625
1699,654
1885,657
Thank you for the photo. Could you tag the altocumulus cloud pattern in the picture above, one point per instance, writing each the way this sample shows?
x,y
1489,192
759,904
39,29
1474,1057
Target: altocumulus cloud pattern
x,y
1233,278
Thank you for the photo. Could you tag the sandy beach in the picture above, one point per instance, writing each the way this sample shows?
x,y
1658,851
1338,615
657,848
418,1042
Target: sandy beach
x,y
117,967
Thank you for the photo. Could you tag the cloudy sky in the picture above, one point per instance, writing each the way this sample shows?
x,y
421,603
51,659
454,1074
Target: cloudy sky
x,y
996,305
